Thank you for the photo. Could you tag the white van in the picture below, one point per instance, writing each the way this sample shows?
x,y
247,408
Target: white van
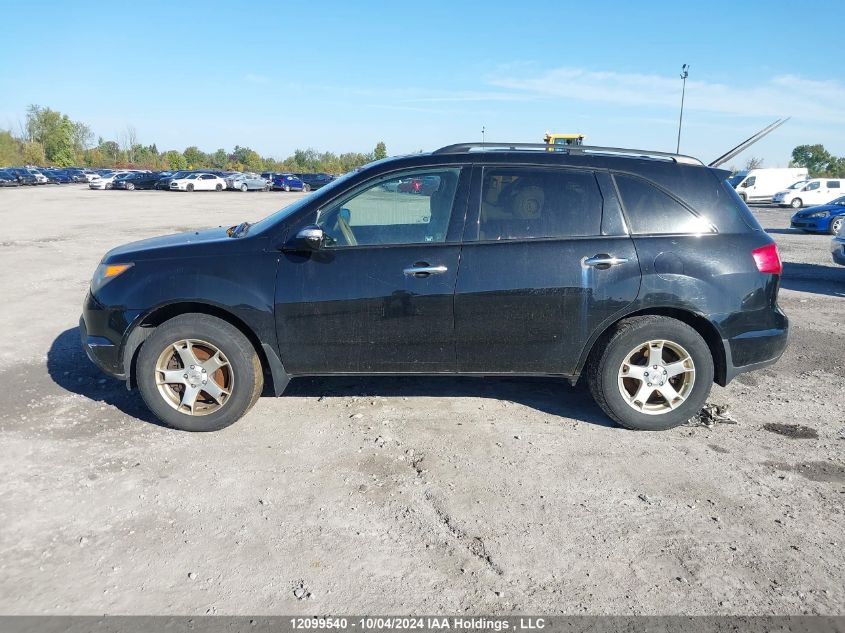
x,y
809,193
759,185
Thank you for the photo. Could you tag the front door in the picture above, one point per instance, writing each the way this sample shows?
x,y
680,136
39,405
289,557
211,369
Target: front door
x,y
537,276
378,296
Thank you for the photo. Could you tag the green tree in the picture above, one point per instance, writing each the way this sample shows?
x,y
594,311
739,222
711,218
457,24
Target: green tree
x,y
55,133
195,157
10,149
175,160
380,151
814,157
219,159
33,154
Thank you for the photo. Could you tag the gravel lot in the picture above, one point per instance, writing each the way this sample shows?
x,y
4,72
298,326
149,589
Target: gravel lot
x,y
410,495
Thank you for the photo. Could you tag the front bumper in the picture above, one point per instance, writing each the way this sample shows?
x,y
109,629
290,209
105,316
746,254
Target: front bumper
x,y
102,331
817,225
837,250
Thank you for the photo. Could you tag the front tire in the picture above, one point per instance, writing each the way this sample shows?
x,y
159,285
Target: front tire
x,y
287,188
835,225
198,373
129,186
189,188
796,203
244,187
651,373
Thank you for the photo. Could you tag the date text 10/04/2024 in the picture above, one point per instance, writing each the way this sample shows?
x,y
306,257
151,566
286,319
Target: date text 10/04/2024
x,y
419,623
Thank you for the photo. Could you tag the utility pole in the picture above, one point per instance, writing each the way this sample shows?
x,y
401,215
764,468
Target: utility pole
x,y
684,75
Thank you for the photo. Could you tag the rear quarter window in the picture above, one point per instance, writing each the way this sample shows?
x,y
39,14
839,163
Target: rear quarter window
x,y
651,211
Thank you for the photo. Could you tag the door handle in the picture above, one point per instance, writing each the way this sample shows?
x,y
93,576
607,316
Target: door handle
x,y
603,261
424,270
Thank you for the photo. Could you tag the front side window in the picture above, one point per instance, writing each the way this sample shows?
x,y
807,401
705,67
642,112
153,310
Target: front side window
x,y
651,211
750,182
531,202
412,208
813,186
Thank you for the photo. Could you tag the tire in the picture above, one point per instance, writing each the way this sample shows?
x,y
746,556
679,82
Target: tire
x,y
190,187
796,203
306,188
287,188
608,363
129,186
266,188
218,187
744,198
835,224
244,188
207,333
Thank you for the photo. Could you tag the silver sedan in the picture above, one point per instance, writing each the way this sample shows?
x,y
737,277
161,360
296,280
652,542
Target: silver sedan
x,y
247,182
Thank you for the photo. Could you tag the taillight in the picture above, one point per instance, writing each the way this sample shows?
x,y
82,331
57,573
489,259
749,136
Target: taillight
x,y
767,259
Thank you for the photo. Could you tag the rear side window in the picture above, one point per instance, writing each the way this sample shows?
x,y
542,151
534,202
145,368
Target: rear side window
x,y
651,211
833,184
524,203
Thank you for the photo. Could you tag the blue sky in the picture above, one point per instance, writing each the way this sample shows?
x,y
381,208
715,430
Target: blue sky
x,y
341,76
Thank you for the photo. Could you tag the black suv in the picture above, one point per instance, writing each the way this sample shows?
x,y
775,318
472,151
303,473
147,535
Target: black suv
x,y
641,271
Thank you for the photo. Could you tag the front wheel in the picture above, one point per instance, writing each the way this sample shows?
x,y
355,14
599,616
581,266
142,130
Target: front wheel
x,y
797,203
198,373
651,373
129,186
287,187
836,225
189,188
244,187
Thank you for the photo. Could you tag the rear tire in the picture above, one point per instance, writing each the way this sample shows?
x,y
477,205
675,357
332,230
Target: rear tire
x,y
242,369
218,187
614,389
306,188
796,203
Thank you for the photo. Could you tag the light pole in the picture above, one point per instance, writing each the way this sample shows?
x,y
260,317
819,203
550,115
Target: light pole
x,y
684,75
483,129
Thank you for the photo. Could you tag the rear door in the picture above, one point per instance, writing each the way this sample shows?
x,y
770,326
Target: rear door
x,y
540,269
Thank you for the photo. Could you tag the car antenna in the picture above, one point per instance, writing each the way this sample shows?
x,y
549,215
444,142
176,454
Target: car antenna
x,y
748,142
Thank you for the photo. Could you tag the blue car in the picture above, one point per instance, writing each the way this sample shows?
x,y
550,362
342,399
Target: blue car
x,y
289,182
825,218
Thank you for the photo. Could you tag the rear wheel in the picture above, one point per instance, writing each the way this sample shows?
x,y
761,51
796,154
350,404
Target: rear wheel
x,y
652,373
836,224
218,187
287,187
306,188
797,203
198,373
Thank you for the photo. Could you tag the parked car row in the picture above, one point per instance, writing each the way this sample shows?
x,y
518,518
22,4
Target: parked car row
x,y
184,180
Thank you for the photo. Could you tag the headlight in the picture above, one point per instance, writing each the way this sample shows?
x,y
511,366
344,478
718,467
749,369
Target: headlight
x,y
105,273
819,214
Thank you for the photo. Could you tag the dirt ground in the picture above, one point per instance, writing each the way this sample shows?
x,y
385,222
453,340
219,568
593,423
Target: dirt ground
x,y
400,495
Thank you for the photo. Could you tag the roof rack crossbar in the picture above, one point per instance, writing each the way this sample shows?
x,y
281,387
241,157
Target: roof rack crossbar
x,y
569,149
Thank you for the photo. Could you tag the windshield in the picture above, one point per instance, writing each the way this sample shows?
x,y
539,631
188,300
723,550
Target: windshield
x,y
798,184
839,201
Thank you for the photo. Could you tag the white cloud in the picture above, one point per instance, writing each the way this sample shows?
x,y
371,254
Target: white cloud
x,y
785,95
256,79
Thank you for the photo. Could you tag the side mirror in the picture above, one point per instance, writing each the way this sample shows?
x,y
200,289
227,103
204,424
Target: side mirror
x,y
311,237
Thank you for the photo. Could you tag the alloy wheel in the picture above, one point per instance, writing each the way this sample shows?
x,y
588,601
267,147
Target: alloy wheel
x,y
656,377
194,377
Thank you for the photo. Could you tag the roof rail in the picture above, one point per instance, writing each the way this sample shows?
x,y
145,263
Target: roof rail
x,y
568,149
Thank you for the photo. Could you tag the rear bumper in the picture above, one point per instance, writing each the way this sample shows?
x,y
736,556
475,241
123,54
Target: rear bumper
x,y
755,349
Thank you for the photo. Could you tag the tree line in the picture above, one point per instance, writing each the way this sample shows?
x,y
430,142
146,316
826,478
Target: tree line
x,y
49,137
